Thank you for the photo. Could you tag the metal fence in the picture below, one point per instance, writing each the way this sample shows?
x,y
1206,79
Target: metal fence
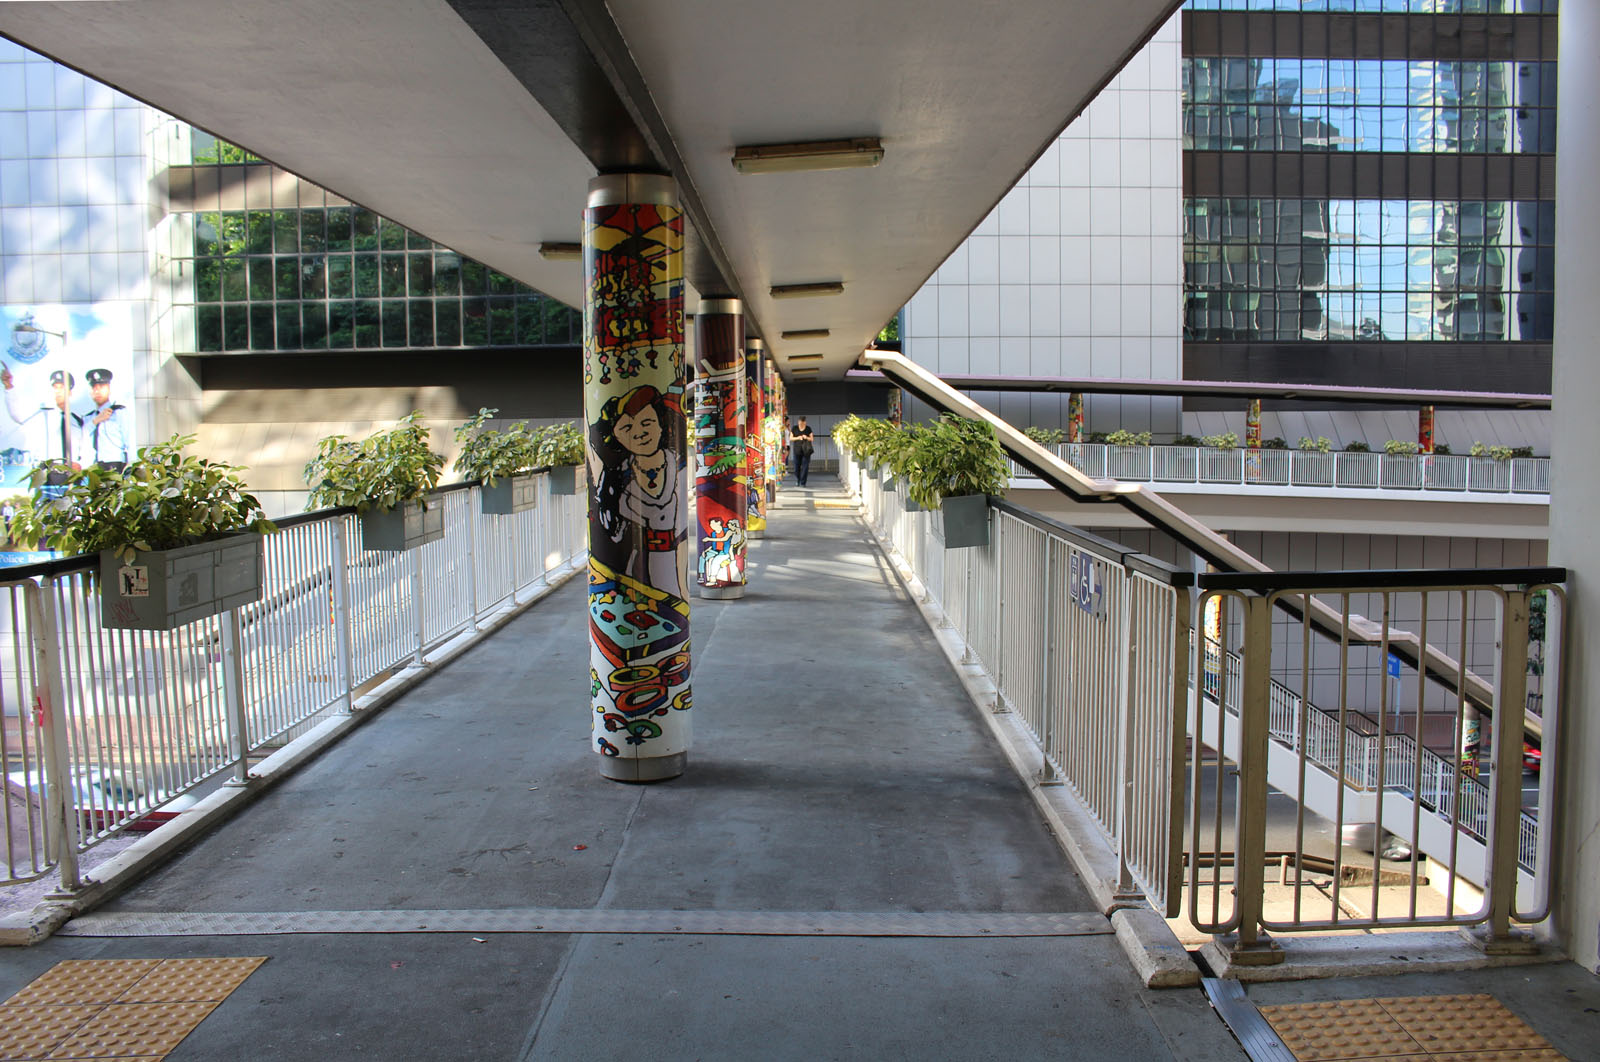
x,y
1363,762
1079,636
1457,473
109,730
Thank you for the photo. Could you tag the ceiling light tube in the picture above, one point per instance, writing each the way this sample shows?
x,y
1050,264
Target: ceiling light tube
x,y
805,357
856,152
806,333
561,252
801,291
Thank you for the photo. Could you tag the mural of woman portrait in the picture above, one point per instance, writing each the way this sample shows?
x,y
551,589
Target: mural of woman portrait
x,y
638,503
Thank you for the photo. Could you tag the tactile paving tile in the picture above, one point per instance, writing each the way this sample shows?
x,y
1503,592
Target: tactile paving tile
x,y
124,1029
192,980
84,981
1458,1024
34,1031
1547,1054
1340,1029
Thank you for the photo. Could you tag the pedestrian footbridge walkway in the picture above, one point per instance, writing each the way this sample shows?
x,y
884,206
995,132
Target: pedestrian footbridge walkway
x,y
850,868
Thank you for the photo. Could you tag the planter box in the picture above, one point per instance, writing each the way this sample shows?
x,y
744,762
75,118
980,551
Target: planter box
x,y
168,588
402,527
513,494
966,521
889,482
912,505
564,479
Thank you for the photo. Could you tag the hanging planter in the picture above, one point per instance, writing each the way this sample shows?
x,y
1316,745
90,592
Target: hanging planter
x,y
402,527
564,479
501,460
514,494
966,520
178,537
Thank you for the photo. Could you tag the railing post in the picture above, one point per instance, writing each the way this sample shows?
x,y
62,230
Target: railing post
x,y
1047,770
999,612
1127,891
49,707
1505,798
1252,946
233,695
474,514
416,598
343,629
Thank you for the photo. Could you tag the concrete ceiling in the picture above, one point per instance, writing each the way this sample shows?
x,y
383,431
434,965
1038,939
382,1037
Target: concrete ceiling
x,y
479,123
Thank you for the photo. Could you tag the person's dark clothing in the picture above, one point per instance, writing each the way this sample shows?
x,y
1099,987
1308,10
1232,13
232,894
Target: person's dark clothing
x,y
802,447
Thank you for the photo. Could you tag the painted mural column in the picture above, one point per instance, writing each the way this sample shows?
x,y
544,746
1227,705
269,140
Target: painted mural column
x,y
633,373
722,456
779,427
755,442
896,414
1252,439
1425,430
1074,416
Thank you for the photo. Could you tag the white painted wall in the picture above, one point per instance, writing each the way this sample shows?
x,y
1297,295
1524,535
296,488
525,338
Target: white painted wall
x,y
1575,497
1078,271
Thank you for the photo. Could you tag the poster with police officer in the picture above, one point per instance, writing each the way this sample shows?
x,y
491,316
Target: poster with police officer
x,y
66,374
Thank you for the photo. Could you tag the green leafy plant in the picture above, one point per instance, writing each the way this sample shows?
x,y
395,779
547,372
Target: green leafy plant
x,y
1498,453
1046,436
1097,437
163,499
955,456
1357,447
1277,442
869,440
1441,448
1401,447
1121,437
1186,440
558,444
1319,445
900,454
1226,441
380,472
488,454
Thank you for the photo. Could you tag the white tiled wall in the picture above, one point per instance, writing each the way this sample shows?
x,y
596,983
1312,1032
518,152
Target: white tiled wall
x,y
1078,270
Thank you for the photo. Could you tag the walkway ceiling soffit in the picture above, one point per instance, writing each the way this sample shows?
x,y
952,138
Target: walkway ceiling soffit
x,y
479,124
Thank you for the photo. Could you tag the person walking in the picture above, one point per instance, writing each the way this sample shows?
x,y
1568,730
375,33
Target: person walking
x,y
800,442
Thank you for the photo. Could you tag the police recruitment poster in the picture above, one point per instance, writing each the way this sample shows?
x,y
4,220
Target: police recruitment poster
x,y
66,380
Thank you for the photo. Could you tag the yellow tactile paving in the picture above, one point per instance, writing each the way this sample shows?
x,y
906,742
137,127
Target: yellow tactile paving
x,y
134,1029
1339,1029
192,980
134,1010
33,1032
84,981
1475,1028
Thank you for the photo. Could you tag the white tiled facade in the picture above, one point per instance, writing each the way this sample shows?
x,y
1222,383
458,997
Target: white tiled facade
x,y
1078,271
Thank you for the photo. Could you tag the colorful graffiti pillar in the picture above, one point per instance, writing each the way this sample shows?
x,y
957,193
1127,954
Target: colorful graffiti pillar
x,y
896,416
1252,439
721,448
779,420
1075,416
633,374
1425,429
754,364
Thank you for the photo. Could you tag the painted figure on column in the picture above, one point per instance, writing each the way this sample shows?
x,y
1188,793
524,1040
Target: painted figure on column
x,y
638,511
1075,416
721,481
756,442
1425,430
1252,439
894,406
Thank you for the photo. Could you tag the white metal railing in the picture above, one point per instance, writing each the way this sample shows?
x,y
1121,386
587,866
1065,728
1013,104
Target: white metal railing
x,y
1078,635
1454,473
1359,759
107,730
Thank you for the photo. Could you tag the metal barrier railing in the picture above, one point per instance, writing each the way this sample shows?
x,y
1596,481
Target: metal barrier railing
x,y
1078,636
1455,473
1361,758
107,730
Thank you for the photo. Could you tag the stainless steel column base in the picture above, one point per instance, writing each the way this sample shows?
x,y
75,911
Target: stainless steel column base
x,y
647,769
722,593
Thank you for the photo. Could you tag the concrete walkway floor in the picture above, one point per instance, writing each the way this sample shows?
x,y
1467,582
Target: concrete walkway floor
x,y
849,869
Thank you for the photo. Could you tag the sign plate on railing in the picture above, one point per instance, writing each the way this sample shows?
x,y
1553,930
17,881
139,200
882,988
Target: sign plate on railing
x,y
1086,584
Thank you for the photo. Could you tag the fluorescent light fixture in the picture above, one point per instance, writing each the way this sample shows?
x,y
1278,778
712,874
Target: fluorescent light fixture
x,y
805,357
801,291
806,333
813,155
797,372
561,252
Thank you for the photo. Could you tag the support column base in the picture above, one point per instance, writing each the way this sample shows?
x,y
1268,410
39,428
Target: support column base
x,y
754,533
722,593
647,769
1517,942
1227,951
